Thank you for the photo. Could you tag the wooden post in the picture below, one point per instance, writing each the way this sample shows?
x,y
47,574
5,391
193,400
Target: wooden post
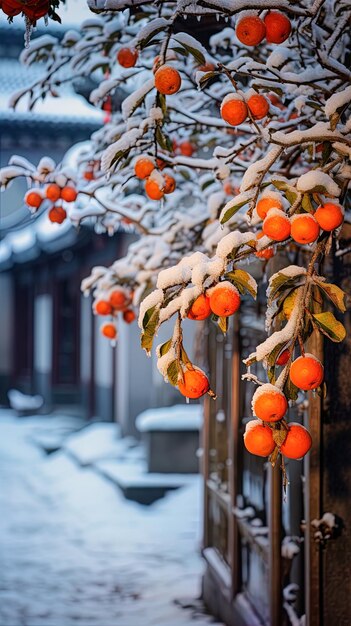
x,y
234,547
275,541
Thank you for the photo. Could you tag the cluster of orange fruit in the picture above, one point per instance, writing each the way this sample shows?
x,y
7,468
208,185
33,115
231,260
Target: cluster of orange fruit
x,y
119,301
235,109
54,193
303,228
156,186
167,78
222,300
269,406
275,27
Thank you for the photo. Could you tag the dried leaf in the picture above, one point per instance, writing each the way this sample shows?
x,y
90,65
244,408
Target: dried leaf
x,y
330,326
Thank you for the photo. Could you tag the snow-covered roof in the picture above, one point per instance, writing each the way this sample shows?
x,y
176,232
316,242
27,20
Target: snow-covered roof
x,y
69,107
27,243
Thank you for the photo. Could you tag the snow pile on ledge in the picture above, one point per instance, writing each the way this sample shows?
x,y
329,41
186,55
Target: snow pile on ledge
x,y
177,417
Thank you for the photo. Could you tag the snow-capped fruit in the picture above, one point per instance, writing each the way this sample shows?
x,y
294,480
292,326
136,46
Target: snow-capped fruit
x,y
258,106
277,225
194,385
278,27
68,194
304,228
143,167
103,307
57,214
129,316
169,184
153,190
306,372
109,330
258,439
233,110
269,403
271,200
224,299
200,308
33,198
329,216
283,358
127,57
297,443
53,192
264,254
167,80
119,299
250,30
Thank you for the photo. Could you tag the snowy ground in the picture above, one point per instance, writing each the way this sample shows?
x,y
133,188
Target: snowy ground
x,y
74,551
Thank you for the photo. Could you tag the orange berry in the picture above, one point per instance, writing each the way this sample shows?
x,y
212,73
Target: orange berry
x,y
127,57
269,201
109,330
304,228
224,299
276,225
264,254
69,194
33,199
153,189
119,299
129,316
233,110
207,67
161,164
269,403
258,106
143,168
194,385
297,443
169,185
250,30
186,148
167,80
306,372
88,175
103,307
278,27
258,439
57,214
329,216
283,358
200,308
53,192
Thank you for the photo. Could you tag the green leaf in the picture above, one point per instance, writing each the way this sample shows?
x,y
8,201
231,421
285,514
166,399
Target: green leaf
x,y
184,357
243,281
330,326
223,324
150,325
281,281
334,293
234,208
195,52
144,42
206,77
290,192
173,372
161,102
163,141
306,203
165,347
290,390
